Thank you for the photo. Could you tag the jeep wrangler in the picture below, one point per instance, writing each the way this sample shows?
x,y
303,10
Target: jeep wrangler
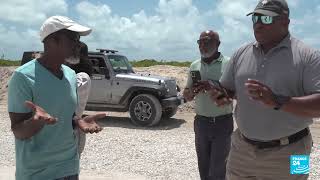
x,y
116,87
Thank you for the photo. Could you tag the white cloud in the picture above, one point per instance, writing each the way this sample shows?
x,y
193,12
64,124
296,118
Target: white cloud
x,y
294,3
15,41
306,27
171,33
30,11
235,28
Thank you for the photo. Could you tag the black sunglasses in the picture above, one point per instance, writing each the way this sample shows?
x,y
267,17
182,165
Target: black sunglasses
x,y
205,40
263,19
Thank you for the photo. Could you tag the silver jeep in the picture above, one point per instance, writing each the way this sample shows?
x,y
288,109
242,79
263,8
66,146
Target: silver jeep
x,y
116,87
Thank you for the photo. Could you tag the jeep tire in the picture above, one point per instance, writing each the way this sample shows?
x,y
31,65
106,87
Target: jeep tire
x,y
145,110
169,112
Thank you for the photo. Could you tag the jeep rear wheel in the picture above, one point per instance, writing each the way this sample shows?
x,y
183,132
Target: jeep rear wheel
x,y
145,110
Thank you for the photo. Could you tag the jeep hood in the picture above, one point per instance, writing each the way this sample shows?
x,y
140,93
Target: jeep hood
x,y
144,76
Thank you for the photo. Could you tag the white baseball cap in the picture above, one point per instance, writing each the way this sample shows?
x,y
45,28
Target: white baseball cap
x,y
56,23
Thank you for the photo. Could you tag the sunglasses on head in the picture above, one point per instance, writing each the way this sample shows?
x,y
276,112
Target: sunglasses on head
x,y
263,19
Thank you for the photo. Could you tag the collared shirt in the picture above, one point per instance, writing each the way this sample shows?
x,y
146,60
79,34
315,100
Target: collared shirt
x,y
290,69
52,152
204,105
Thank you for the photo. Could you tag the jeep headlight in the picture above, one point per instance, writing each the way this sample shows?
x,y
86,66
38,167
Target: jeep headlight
x,y
164,84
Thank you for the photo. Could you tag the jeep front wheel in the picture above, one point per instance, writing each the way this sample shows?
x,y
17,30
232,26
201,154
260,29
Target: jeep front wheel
x,y
145,110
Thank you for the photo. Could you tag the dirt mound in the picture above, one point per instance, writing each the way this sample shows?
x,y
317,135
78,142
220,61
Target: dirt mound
x,y
179,73
5,74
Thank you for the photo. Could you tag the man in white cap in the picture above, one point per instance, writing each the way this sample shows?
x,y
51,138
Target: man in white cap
x,y
42,100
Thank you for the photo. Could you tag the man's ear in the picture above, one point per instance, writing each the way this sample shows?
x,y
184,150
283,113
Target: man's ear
x,y
285,21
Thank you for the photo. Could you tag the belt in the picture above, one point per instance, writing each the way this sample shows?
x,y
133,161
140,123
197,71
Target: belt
x,y
216,118
280,142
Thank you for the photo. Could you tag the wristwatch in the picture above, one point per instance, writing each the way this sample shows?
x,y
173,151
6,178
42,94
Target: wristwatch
x,y
216,84
280,100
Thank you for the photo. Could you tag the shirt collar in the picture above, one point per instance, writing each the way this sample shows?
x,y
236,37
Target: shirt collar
x,y
219,59
284,43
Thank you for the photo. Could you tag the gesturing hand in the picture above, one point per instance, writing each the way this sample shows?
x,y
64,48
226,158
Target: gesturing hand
x,y
220,97
40,114
88,123
260,92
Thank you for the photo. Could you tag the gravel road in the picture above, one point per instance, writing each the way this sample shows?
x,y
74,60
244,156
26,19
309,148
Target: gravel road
x,y
124,151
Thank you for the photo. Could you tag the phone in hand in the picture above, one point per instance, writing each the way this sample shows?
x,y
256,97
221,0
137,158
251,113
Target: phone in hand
x,y
196,76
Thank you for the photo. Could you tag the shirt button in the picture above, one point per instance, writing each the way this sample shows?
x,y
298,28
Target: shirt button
x,y
262,65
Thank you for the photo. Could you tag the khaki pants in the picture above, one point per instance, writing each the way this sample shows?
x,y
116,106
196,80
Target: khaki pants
x,y
81,138
246,162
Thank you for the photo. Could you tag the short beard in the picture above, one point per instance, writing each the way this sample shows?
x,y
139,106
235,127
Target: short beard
x,y
208,54
72,60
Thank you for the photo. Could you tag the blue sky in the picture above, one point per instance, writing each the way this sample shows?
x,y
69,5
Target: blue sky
x,y
157,29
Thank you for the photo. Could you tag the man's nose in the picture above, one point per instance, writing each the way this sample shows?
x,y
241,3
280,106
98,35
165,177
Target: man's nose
x,y
258,24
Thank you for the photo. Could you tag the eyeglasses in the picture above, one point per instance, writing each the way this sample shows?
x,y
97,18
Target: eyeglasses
x,y
205,40
263,19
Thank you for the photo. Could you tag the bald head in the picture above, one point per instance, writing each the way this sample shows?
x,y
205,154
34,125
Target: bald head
x,y
211,34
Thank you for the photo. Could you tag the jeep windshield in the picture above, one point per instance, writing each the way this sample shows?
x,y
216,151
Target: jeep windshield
x,y
120,64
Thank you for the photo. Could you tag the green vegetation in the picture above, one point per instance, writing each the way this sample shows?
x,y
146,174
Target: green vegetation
x,y
4,62
140,63
152,62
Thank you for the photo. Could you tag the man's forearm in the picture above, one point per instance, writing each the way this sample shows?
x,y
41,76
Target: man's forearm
x,y
26,129
306,106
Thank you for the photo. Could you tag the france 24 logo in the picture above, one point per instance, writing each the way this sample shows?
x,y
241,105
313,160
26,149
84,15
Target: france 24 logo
x,y
299,164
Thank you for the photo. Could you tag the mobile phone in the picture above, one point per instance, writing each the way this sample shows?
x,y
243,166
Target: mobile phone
x,y
196,76
216,84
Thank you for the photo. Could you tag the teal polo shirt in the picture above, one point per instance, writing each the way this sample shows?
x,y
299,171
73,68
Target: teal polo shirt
x,y
52,152
204,105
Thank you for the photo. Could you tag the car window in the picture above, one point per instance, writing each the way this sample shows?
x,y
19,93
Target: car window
x,y
120,64
97,63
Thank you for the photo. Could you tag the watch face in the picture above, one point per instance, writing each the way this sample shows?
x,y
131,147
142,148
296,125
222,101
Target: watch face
x,y
281,100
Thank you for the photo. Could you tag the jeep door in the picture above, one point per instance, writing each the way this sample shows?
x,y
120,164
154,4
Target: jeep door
x,y
120,65
101,85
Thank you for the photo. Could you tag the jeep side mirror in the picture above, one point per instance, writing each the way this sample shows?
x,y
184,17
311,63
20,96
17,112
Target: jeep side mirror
x,y
105,71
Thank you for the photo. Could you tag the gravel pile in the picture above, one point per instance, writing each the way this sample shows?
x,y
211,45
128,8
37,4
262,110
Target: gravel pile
x,y
5,74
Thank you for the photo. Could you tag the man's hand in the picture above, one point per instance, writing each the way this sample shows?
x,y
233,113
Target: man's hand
x,y
88,123
40,114
260,92
190,93
220,97
199,87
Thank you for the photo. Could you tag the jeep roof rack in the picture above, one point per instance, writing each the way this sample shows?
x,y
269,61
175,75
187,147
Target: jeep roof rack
x,y
107,50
